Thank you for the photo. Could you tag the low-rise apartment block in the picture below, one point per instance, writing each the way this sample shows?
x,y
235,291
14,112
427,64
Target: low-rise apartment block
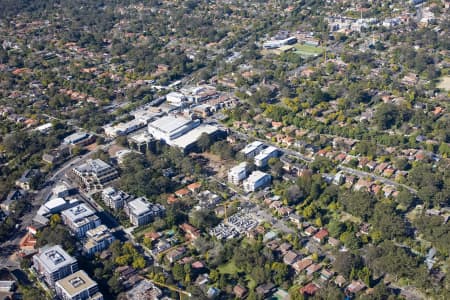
x,y
114,198
142,212
98,239
252,149
80,219
238,173
53,263
262,159
78,286
256,180
93,174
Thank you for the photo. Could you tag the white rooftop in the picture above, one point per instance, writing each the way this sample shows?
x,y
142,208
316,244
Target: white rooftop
x,y
256,175
239,167
269,150
170,124
78,212
193,135
139,206
77,136
54,258
143,137
251,147
93,165
44,127
55,203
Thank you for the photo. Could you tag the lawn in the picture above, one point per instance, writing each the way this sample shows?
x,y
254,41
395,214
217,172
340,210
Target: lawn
x,y
348,217
229,268
444,84
307,50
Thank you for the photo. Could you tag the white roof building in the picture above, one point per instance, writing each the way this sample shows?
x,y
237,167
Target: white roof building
x,y
169,128
53,263
45,128
124,128
252,149
76,138
142,212
263,157
256,180
238,173
94,173
55,205
80,219
78,286
98,239
114,198
191,137
175,98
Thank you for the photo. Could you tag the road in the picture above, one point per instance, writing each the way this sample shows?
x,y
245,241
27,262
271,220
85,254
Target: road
x,y
376,177
358,173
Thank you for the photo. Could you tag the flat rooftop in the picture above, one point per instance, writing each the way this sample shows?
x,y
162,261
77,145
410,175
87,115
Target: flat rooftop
x,y
78,212
139,206
266,152
193,135
55,203
239,167
76,283
170,124
256,175
143,137
251,147
54,258
93,165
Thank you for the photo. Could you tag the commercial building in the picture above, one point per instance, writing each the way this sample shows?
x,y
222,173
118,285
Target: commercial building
x,y
98,239
53,263
80,219
94,174
252,149
274,44
124,128
78,139
189,140
142,212
55,205
180,131
262,159
169,128
176,98
114,198
78,286
141,141
256,180
238,173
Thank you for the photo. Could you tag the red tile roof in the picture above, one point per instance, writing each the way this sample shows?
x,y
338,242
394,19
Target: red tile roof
x,y
323,233
309,289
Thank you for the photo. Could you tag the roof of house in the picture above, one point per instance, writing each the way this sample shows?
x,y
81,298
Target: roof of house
x,y
309,289
302,264
239,291
290,257
313,268
198,265
323,233
194,186
356,286
182,192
